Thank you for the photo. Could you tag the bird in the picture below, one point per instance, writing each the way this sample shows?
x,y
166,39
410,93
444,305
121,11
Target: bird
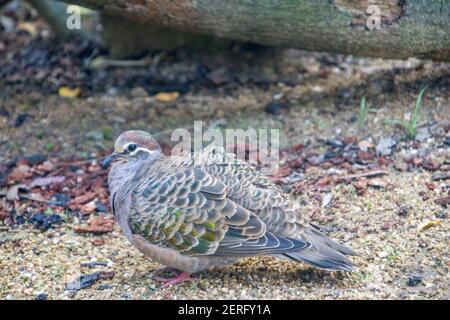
x,y
208,209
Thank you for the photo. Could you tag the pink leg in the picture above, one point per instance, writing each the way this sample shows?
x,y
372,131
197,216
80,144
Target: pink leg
x,y
182,277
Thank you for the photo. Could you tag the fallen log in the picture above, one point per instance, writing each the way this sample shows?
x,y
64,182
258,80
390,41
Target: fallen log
x,y
378,28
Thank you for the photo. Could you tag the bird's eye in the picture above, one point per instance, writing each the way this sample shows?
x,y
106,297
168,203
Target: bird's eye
x,y
131,147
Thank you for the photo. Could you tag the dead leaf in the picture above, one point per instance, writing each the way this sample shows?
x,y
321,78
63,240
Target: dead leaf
x,y
360,186
295,163
67,92
106,275
167,96
429,224
383,161
27,27
364,156
350,140
46,181
5,212
324,181
88,207
281,173
97,225
83,198
13,192
365,145
47,166
4,215
21,172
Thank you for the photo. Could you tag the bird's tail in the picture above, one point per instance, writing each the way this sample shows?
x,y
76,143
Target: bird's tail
x,y
323,253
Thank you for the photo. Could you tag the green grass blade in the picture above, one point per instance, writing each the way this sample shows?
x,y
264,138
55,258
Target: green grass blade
x,y
412,127
362,112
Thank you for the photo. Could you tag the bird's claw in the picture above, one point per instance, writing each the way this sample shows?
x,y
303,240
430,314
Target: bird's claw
x,y
167,282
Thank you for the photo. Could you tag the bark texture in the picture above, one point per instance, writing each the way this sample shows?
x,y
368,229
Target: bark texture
x,y
419,28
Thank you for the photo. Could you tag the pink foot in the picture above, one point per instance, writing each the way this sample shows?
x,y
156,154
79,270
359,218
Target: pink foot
x,y
167,282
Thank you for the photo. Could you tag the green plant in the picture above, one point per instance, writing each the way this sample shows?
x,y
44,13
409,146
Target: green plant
x,y
365,276
363,112
107,132
411,125
49,146
392,253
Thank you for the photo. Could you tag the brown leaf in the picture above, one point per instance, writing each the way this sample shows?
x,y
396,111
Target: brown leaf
x,y
21,172
324,181
4,210
83,198
350,140
295,163
360,186
96,225
281,173
88,207
365,156
47,166
4,215
297,147
383,161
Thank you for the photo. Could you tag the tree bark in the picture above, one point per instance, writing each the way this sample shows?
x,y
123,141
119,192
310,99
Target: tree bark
x,y
419,28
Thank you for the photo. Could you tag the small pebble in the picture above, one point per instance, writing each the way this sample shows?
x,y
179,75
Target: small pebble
x,y
41,296
275,108
414,281
104,287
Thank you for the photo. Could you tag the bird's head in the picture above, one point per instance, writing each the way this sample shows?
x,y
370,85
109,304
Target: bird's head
x,y
133,145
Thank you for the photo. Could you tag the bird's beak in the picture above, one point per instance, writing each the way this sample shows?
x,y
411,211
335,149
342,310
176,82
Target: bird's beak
x,y
109,159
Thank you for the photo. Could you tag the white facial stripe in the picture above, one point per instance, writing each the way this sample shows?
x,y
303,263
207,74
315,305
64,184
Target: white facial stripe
x,y
143,149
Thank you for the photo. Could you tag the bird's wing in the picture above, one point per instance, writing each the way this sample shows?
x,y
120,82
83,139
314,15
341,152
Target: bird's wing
x,y
251,189
187,209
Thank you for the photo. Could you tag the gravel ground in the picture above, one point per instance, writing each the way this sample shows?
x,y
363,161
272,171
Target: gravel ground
x,y
391,262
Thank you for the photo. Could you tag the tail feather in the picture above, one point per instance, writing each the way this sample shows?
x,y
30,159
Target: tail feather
x,y
323,253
